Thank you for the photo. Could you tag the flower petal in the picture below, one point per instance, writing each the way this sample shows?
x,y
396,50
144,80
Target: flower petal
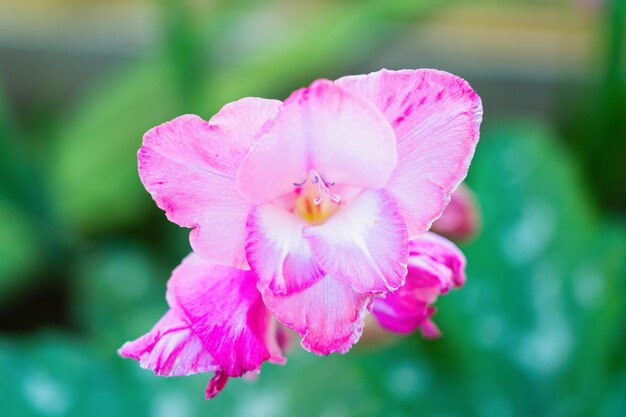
x,y
328,315
171,348
436,118
188,165
364,243
216,385
224,308
435,264
443,252
217,322
276,251
430,330
322,127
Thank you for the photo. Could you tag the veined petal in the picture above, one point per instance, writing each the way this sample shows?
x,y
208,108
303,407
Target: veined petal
x,y
364,244
171,348
436,118
224,307
276,251
328,315
435,265
325,128
217,322
188,165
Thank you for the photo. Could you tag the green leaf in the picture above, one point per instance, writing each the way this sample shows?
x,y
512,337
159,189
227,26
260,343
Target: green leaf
x,y
93,168
20,246
20,249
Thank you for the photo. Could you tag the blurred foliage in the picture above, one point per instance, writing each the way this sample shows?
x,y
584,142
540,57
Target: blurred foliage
x,y
536,331
547,274
100,140
598,125
19,245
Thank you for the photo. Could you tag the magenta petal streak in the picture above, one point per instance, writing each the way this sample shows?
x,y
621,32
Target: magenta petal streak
x,y
435,116
216,322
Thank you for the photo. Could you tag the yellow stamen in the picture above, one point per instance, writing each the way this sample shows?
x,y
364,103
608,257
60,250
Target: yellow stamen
x,y
314,213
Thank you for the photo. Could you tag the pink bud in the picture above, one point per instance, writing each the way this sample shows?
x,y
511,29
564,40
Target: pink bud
x,y
461,220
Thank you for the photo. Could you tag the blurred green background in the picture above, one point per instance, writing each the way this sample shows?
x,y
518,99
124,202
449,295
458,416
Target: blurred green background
x,y
540,327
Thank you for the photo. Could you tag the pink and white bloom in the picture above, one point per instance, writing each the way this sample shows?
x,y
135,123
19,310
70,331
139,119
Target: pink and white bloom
x,y
435,266
217,321
318,195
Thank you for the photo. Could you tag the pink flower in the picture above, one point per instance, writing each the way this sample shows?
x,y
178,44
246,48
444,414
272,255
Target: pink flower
x,y
435,266
217,322
317,196
461,220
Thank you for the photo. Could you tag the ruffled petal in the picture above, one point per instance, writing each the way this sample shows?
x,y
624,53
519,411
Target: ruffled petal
x,y
277,253
188,165
436,118
328,315
435,265
217,322
443,252
364,244
325,128
171,348
223,306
